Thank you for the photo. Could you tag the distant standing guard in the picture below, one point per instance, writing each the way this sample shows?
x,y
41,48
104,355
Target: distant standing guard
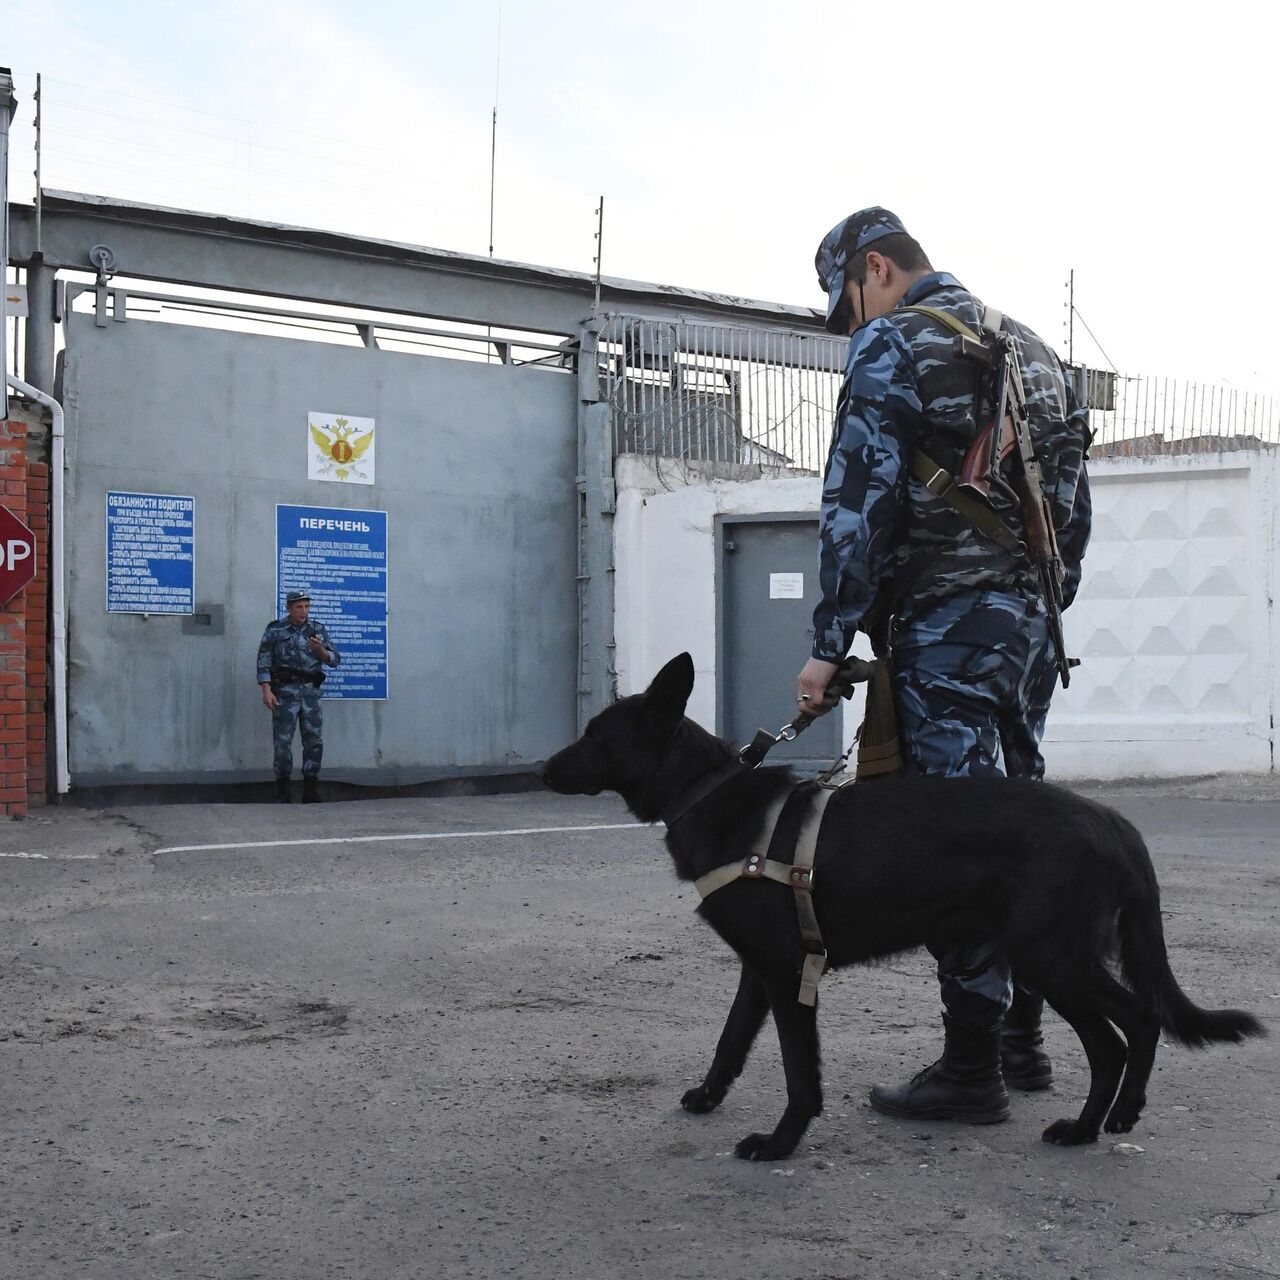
x,y
291,668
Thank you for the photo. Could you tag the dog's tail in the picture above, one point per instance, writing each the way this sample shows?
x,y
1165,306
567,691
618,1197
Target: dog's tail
x,y
1146,961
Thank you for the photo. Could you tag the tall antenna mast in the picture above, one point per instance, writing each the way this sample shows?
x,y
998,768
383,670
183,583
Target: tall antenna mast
x,y
493,137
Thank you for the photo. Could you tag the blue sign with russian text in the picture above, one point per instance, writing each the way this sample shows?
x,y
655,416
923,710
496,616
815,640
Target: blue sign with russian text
x,y
339,555
151,553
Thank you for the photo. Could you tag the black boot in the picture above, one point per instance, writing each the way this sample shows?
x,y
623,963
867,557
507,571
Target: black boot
x,y
964,1084
1024,1063
310,795
282,791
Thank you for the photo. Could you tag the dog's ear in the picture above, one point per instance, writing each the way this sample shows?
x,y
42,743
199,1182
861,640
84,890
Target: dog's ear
x,y
665,698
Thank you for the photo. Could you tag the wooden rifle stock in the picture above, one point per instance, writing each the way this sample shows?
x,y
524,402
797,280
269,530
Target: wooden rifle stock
x,y
976,469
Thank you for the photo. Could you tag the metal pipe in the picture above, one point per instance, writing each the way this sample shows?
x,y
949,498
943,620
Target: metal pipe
x,y
8,105
39,352
58,627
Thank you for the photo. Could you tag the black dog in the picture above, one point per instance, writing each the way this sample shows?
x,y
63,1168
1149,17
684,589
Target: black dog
x,y
1061,883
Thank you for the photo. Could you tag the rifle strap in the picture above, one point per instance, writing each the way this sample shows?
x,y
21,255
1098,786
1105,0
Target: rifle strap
x,y
991,320
942,484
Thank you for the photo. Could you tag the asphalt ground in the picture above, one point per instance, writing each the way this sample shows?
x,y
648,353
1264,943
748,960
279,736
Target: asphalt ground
x,y
416,1038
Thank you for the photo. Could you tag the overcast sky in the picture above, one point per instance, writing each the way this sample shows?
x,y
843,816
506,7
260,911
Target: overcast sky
x,y
1133,143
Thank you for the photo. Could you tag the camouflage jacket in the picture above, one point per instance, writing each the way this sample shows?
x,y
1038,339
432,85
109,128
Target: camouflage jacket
x,y
880,528
284,648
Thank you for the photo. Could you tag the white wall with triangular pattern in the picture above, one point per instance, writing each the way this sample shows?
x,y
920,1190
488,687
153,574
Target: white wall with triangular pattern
x,y
1174,623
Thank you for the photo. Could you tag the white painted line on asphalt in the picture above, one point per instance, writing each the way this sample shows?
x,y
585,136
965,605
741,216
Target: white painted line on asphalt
x,y
408,835
47,857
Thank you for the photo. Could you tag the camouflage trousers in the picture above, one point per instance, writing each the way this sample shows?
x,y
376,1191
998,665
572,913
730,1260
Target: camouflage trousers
x,y
973,678
297,705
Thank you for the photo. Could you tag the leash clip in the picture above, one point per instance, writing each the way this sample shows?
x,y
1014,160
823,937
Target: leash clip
x,y
759,746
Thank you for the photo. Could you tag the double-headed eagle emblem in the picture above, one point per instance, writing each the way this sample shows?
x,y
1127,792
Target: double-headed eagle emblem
x,y
341,450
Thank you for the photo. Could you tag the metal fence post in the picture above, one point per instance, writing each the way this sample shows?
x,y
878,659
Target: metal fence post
x,y
597,675
38,354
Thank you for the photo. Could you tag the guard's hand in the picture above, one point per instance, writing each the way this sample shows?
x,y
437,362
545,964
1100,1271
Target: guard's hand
x,y
811,687
269,698
317,646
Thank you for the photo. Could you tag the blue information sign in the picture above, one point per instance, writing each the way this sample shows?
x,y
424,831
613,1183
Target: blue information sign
x,y
151,549
340,556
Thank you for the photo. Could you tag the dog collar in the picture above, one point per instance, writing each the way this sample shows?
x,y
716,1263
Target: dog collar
x,y
699,790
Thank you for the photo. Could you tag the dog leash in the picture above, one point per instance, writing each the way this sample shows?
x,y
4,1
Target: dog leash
x,y
851,672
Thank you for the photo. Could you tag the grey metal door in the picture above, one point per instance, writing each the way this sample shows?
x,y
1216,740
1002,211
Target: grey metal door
x,y
768,587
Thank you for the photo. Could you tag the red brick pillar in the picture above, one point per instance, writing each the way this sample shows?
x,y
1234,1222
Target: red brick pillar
x,y
36,599
24,489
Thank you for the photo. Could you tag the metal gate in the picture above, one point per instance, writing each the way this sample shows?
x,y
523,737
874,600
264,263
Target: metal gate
x,y
476,466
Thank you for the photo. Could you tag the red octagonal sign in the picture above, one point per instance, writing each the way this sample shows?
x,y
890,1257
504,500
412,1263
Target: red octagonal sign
x,y
17,555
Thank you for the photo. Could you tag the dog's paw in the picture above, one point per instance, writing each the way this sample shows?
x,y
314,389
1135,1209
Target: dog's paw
x,y
1068,1133
701,1100
763,1146
1122,1117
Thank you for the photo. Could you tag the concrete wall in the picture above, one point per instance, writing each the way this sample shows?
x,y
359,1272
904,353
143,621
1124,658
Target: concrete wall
x,y
1174,620
664,580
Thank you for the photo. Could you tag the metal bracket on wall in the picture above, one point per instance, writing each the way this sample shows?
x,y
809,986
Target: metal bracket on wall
x,y
208,620
103,260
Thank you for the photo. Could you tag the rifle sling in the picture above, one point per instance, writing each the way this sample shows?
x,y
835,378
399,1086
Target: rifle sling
x,y
940,482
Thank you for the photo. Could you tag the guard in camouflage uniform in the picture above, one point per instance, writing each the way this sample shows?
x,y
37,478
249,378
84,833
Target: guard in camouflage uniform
x,y
292,658
961,616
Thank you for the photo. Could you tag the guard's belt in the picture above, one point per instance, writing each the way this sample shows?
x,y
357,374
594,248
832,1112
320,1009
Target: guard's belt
x,y
288,675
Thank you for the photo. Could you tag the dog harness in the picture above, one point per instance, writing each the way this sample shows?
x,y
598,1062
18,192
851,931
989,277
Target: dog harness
x,y
805,804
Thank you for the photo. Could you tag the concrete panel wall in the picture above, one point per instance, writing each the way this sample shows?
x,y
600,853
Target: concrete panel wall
x,y
475,466
1174,621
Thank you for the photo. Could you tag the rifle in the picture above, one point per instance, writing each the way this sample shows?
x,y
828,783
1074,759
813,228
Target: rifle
x,y
981,471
